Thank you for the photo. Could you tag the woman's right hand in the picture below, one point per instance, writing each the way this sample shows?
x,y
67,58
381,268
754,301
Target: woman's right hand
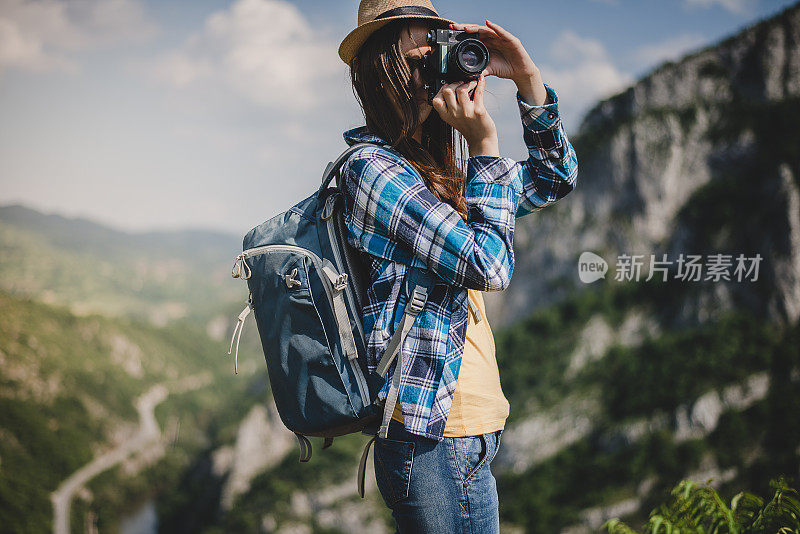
x,y
468,116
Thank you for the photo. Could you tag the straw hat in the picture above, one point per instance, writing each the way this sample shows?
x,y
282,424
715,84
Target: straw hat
x,y
373,14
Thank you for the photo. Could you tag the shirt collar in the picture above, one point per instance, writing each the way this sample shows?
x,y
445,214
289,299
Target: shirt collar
x,y
361,135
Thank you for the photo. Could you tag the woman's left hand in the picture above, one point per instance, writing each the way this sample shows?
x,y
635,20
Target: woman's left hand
x,y
507,57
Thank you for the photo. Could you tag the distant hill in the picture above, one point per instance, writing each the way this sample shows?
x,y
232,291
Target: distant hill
x,y
158,276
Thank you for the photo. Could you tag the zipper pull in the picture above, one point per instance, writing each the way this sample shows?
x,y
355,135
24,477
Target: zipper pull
x,y
236,271
237,332
240,268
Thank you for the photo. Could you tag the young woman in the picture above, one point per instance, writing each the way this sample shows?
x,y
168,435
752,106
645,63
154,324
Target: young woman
x,y
409,205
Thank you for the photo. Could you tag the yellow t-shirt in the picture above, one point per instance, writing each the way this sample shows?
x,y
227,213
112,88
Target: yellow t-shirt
x,y
479,405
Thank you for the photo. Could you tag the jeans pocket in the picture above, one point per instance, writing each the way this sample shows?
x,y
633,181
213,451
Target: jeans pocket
x,y
476,451
393,461
479,451
497,435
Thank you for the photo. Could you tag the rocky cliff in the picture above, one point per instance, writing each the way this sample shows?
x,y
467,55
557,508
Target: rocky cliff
x,y
698,157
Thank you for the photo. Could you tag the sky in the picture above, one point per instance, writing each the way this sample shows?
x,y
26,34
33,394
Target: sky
x,y
164,115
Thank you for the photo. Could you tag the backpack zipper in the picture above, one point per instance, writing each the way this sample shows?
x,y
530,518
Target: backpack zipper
x,y
255,251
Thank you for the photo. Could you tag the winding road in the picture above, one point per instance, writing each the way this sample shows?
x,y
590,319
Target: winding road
x,y
148,433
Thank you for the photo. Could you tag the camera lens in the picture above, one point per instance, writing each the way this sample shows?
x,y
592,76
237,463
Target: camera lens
x,y
471,56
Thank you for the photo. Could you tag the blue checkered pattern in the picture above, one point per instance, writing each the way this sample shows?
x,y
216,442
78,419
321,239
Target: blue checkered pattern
x,y
394,217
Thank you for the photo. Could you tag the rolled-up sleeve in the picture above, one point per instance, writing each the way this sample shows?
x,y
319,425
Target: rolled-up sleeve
x,y
551,170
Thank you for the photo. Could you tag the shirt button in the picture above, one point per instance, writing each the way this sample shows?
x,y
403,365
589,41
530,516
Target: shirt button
x,y
551,115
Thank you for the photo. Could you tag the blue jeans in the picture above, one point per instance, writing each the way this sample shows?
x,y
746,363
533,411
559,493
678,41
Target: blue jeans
x,y
438,487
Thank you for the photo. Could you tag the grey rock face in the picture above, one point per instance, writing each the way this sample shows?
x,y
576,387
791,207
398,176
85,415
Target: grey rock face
x,y
647,153
261,442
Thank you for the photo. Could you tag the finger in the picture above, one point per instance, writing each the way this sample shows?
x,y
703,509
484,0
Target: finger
x,y
499,30
480,87
462,94
438,103
483,31
470,27
449,95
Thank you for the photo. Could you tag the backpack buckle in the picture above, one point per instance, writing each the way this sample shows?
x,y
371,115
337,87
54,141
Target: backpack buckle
x,y
418,299
338,281
341,282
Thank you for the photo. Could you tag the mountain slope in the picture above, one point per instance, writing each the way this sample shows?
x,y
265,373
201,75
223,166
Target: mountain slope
x,y
156,276
67,395
610,406
701,156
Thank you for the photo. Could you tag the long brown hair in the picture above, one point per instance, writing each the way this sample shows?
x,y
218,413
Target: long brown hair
x,y
380,64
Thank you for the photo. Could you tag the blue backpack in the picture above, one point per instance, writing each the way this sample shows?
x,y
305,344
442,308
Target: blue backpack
x,y
307,287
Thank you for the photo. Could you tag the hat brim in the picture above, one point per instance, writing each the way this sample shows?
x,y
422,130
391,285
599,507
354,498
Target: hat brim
x,y
353,41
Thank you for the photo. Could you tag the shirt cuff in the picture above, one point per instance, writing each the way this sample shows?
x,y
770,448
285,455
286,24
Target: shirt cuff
x,y
541,124
544,117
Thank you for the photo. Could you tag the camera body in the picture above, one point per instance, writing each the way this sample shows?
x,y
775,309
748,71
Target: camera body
x,y
458,56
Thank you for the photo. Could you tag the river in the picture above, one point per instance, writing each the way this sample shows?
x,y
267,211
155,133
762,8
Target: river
x,y
142,521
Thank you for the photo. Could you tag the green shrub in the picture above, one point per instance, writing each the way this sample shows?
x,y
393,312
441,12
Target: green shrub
x,y
696,508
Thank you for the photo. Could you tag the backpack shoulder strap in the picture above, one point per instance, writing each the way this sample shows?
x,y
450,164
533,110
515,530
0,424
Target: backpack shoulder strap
x,y
419,283
414,306
333,167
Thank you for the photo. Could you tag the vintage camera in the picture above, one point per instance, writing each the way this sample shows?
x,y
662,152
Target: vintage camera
x,y
457,56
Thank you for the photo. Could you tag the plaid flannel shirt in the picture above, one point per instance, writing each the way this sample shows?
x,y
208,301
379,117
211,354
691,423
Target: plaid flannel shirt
x,y
394,217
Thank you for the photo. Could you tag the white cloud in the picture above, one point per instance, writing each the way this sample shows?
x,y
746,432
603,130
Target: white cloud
x,y
670,49
739,7
178,69
265,50
43,35
582,72
569,47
